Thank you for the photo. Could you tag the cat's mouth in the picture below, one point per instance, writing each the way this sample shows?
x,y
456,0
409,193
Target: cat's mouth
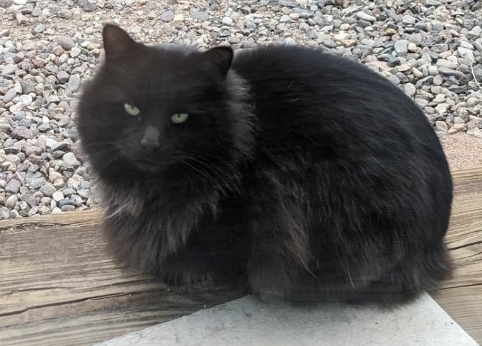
x,y
149,166
145,161
152,164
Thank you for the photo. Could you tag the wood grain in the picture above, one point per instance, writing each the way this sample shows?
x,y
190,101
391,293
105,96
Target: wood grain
x,y
58,287
461,296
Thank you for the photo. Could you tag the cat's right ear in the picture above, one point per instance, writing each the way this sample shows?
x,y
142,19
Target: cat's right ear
x,y
117,42
221,56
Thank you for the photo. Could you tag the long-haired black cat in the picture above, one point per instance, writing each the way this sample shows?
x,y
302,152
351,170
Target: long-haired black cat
x,y
304,176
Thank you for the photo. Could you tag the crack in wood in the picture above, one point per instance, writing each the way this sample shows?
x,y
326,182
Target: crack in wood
x,y
73,301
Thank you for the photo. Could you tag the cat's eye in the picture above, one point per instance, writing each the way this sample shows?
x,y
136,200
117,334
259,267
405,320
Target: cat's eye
x,y
179,118
131,109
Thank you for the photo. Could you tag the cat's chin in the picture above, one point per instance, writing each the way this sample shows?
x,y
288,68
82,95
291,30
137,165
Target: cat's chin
x,y
149,167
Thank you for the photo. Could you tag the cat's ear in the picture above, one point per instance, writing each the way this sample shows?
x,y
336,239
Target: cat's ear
x,y
221,57
117,42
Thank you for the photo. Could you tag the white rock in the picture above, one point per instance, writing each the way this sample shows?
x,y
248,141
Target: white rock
x,y
9,96
456,128
412,47
75,52
410,89
227,21
365,16
472,102
341,36
69,158
57,196
441,108
26,100
446,64
11,201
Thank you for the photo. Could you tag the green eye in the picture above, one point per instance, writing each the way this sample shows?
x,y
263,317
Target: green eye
x,y
179,118
131,110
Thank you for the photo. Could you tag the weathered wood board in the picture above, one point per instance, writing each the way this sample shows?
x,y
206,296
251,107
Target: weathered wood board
x,y
58,287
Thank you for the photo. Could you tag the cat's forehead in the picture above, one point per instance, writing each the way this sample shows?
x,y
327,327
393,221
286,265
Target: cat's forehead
x,y
176,50
170,64
165,74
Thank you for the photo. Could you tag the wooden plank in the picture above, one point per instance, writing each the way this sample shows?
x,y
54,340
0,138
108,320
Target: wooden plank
x,y
57,284
461,296
83,218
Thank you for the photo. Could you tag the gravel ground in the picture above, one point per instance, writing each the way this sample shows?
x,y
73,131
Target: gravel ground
x,y
429,48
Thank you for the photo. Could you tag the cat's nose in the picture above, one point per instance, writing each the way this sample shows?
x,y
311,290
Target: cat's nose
x,y
150,138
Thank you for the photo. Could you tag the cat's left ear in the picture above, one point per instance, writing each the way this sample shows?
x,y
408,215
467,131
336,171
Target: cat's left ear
x,y
117,42
221,57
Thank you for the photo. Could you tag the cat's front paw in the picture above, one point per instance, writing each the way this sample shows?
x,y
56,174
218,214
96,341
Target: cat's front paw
x,y
178,272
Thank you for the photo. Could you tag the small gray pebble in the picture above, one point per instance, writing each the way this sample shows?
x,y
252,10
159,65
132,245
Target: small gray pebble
x,y
19,116
85,193
65,42
44,127
29,199
9,95
450,72
28,86
21,132
401,47
11,150
13,186
68,191
12,158
70,159
63,76
84,185
284,18
11,202
9,69
67,207
167,16
36,12
446,64
65,201
75,52
48,189
74,82
86,5
199,15
39,28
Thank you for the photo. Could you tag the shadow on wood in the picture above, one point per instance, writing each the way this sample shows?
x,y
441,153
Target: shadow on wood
x,y
58,287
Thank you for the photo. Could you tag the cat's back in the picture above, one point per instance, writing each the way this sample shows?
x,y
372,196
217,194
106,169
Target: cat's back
x,y
307,80
302,88
341,112
278,62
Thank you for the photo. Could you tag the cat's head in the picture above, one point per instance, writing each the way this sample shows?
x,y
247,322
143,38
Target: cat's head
x,y
169,111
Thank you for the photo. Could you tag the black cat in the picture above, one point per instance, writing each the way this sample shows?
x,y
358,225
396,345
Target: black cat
x,y
303,175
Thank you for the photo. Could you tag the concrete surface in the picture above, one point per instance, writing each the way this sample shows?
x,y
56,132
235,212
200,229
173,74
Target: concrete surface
x,y
247,321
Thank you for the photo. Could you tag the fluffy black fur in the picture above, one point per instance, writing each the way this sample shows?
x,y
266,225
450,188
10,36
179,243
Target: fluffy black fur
x,y
303,175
